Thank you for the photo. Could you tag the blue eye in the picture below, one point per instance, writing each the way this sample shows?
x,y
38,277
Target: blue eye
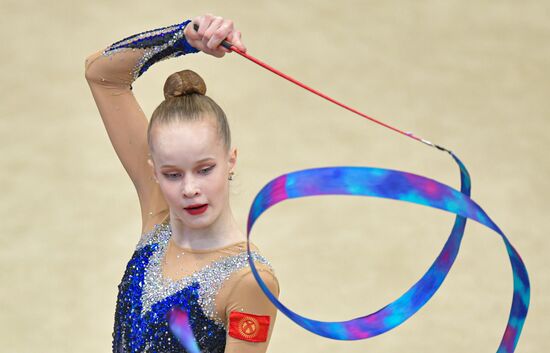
x,y
207,170
171,175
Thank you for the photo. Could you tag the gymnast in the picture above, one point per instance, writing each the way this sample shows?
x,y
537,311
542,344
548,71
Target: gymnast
x,y
192,252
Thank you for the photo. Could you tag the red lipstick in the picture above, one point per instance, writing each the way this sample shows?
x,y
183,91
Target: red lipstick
x,y
196,209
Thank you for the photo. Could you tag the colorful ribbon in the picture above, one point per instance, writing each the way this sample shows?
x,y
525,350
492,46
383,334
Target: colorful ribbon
x,y
391,184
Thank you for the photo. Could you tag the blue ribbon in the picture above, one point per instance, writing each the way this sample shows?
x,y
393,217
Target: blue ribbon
x,y
403,186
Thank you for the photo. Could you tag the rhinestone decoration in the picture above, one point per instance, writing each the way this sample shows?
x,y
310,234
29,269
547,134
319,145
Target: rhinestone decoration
x,y
145,297
210,278
159,44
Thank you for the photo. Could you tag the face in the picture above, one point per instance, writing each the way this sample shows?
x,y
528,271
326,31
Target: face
x,y
192,167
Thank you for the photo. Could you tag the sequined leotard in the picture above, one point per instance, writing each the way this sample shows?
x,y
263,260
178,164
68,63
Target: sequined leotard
x,y
210,284
146,294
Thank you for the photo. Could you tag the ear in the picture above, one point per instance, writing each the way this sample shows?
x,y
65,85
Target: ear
x,y
232,161
153,172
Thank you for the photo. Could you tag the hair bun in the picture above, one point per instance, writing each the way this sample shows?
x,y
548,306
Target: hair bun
x,y
184,83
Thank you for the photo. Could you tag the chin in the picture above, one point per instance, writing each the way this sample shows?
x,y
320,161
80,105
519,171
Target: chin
x,y
195,223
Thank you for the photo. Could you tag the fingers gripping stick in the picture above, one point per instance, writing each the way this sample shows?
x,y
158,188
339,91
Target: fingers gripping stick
x,y
224,44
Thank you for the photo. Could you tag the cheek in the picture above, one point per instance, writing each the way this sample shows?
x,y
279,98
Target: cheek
x,y
170,191
217,186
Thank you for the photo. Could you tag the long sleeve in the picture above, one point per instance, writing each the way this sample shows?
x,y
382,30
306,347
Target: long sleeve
x,y
152,46
110,73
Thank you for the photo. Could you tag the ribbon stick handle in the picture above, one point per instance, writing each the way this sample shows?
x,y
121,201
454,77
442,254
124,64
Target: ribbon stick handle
x,y
266,66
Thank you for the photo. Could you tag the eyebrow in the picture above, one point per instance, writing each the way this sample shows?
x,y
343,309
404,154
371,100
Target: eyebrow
x,y
197,162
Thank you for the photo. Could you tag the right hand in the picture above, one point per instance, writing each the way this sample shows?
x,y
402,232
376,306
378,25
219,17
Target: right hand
x,y
212,31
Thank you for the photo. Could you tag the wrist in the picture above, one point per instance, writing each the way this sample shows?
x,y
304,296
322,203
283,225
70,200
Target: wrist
x,y
158,44
181,42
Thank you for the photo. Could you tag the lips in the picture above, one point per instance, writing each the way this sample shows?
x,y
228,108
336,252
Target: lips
x,y
195,205
196,209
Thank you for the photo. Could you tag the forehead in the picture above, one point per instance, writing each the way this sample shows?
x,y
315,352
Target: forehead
x,y
186,142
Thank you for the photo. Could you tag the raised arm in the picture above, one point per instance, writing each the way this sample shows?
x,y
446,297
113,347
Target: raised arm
x,y
110,73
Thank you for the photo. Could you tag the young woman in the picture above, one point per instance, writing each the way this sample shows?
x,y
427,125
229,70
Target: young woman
x,y
192,252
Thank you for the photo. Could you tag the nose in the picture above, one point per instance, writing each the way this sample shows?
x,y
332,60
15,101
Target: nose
x,y
190,188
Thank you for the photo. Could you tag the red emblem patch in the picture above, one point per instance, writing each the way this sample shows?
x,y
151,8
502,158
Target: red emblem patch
x,y
248,327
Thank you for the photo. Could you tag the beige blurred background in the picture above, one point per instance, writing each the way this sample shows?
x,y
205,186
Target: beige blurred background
x,y
470,75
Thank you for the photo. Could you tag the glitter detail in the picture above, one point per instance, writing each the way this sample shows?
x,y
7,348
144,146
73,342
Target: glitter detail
x,y
151,237
209,279
145,298
159,44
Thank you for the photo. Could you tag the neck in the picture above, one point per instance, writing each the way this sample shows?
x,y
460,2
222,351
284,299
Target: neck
x,y
224,231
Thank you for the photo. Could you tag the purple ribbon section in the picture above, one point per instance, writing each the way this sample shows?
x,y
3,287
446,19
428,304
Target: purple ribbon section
x,y
178,321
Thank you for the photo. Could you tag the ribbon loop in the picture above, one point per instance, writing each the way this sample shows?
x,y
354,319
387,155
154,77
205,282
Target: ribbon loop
x,y
397,185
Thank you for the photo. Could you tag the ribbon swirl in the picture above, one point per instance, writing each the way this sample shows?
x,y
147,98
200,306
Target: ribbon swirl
x,y
403,186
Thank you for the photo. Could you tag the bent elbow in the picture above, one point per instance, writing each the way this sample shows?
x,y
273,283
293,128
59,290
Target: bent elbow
x,y
90,74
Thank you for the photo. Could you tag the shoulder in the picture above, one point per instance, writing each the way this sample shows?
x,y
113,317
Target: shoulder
x,y
242,290
244,280
238,289
242,293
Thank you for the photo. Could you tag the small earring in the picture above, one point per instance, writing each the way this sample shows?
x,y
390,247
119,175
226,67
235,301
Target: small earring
x,y
231,175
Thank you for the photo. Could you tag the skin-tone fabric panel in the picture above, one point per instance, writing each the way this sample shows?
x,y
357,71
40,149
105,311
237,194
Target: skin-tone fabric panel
x,y
242,293
181,262
110,79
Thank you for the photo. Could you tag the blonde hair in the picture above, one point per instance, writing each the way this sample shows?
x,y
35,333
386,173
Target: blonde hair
x,y
185,100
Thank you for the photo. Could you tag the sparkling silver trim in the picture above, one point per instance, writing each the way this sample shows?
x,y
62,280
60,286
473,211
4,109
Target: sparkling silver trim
x,y
210,278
